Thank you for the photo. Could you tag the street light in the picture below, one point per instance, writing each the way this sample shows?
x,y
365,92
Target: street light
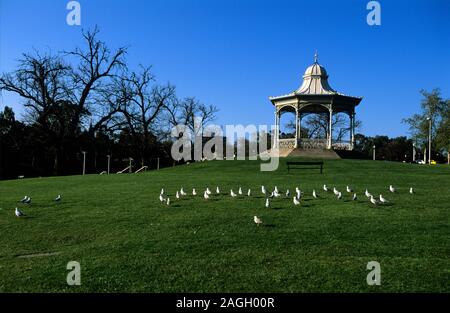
x,y
84,162
429,139
374,152
414,152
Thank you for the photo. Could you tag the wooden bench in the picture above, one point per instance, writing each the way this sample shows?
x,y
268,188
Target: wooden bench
x,y
305,165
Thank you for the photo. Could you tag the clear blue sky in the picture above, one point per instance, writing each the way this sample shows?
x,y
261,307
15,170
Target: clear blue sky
x,y
235,54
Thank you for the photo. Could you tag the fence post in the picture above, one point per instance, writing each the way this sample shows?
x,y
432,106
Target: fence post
x,y
157,167
84,162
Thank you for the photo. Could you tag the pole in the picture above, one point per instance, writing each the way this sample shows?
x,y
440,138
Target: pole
x,y
129,169
414,152
84,162
109,162
374,152
157,166
429,141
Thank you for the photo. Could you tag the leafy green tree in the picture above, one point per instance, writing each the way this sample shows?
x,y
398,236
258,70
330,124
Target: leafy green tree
x,y
435,107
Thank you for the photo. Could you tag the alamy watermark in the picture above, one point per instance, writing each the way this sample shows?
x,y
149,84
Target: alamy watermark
x,y
73,18
374,276
74,276
199,144
374,16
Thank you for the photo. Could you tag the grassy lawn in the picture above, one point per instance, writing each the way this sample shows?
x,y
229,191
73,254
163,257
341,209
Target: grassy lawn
x,y
126,240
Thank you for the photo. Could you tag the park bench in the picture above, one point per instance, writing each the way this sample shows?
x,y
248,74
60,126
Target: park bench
x,y
305,165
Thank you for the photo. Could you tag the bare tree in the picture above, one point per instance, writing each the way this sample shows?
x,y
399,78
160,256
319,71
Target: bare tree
x,y
96,63
317,124
140,101
192,113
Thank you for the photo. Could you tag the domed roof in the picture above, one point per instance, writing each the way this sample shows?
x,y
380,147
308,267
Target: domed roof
x,y
315,80
315,70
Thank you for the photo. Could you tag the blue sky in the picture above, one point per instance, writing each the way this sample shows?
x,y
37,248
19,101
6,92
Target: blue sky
x,y
235,54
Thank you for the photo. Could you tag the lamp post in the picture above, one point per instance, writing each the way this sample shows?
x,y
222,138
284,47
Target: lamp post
x,y
84,162
429,139
374,152
414,153
109,162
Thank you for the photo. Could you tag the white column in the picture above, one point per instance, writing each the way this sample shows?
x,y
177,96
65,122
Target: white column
x,y
330,130
296,128
277,129
352,130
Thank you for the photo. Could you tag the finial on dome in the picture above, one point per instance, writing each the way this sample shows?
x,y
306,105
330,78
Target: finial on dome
x,y
316,57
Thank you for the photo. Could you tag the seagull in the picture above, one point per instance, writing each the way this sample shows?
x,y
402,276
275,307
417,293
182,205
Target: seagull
x,y
382,200
177,195
267,203
299,194
27,201
276,189
208,191
168,201
391,189
162,191
372,199
19,213
205,195
272,195
263,189
24,199
339,195
233,194
335,191
297,190
411,191
249,193
325,188
276,194
349,190
182,192
217,190
161,198
296,201
257,220
194,192
354,197
58,198
368,195
240,191
287,193
315,194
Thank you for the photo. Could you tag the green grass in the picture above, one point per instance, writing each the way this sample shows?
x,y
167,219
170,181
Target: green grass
x,y
126,240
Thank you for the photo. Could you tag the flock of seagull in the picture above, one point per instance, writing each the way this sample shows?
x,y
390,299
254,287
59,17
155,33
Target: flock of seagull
x,y
27,200
296,199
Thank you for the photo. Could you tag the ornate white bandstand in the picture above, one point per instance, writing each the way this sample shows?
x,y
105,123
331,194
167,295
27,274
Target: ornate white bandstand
x,y
315,96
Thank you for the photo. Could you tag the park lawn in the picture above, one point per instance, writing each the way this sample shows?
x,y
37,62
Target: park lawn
x,y
127,241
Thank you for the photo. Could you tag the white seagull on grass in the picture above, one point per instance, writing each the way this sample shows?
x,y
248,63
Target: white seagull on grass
x,y
391,188
257,220
383,200
296,201
19,213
